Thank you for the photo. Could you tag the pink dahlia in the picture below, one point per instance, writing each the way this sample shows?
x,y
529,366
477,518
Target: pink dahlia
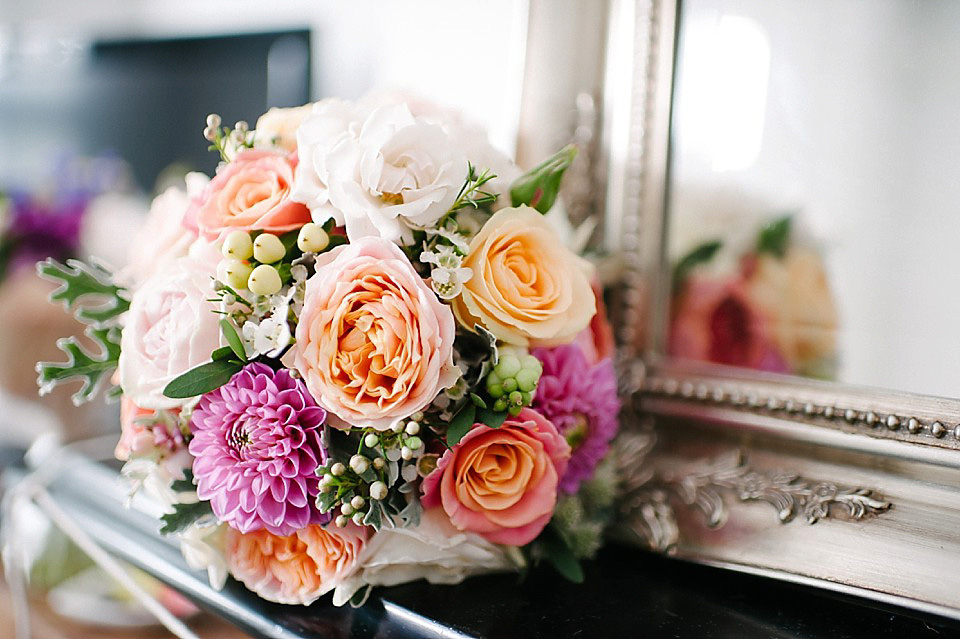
x,y
256,444
581,401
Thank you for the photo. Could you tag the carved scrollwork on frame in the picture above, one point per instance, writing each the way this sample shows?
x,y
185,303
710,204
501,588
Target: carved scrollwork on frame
x,y
647,510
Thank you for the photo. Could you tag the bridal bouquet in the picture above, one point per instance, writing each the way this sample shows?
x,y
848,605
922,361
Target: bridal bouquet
x,y
363,353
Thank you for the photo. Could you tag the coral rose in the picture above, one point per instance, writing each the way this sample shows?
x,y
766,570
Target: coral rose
x,y
374,344
297,569
528,288
501,483
252,193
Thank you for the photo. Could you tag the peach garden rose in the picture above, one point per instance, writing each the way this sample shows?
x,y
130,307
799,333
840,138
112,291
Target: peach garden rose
x,y
299,568
501,483
252,193
374,344
528,288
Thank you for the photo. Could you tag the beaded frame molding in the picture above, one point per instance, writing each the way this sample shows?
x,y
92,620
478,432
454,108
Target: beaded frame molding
x,y
863,483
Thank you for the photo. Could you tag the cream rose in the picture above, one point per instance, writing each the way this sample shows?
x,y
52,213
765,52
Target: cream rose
x,y
163,237
170,328
433,550
374,344
527,288
379,174
278,127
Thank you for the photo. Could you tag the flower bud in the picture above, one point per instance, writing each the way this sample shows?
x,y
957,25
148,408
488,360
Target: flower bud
x,y
346,510
264,280
378,490
340,521
242,126
358,518
379,462
359,464
406,453
398,427
508,366
213,121
510,385
268,248
532,363
338,469
412,428
238,245
527,380
236,274
414,443
312,238
210,133
358,502
370,440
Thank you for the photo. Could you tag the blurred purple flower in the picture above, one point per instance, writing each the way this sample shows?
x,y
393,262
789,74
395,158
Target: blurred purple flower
x,y
37,230
581,401
257,447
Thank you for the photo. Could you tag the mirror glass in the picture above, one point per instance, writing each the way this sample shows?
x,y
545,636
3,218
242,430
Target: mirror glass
x,y
813,218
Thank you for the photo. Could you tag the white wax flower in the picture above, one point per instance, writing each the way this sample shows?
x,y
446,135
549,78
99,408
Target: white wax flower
x,y
202,546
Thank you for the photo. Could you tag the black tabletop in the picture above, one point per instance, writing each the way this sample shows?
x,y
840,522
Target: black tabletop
x,y
628,593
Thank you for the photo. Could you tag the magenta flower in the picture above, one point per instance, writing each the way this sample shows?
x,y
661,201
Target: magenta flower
x,y
581,401
256,443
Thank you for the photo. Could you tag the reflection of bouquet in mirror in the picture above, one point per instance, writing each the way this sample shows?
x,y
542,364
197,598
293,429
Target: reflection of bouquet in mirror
x,y
361,354
773,313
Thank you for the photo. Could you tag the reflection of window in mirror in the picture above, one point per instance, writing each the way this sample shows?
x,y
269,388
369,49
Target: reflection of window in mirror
x,y
813,225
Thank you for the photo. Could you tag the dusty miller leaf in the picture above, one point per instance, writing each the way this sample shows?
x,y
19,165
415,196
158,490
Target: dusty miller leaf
x,y
184,516
86,289
91,369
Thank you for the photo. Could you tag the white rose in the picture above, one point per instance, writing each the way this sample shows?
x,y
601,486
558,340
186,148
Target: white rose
x,y
278,127
202,546
163,237
434,550
384,176
170,327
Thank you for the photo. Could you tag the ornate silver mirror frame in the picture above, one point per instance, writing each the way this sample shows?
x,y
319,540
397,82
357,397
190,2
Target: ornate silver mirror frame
x,y
845,488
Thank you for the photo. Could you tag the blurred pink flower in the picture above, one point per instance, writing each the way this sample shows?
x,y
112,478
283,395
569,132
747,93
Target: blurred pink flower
x,y
715,321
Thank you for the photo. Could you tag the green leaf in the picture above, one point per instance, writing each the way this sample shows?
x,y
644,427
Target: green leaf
x,y
410,515
91,369
478,401
774,238
86,289
492,418
202,379
185,484
461,424
558,553
233,339
700,255
183,516
539,186
224,352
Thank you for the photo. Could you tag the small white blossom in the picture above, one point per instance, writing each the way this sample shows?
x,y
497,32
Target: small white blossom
x,y
268,337
448,275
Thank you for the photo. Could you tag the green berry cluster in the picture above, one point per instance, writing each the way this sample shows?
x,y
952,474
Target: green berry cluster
x,y
513,381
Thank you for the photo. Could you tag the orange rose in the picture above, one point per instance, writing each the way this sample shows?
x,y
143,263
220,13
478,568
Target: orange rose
x,y
527,288
297,569
252,193
501,483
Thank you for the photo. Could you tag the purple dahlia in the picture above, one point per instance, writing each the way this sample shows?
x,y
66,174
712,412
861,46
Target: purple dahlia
x,y
581,401
256,444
